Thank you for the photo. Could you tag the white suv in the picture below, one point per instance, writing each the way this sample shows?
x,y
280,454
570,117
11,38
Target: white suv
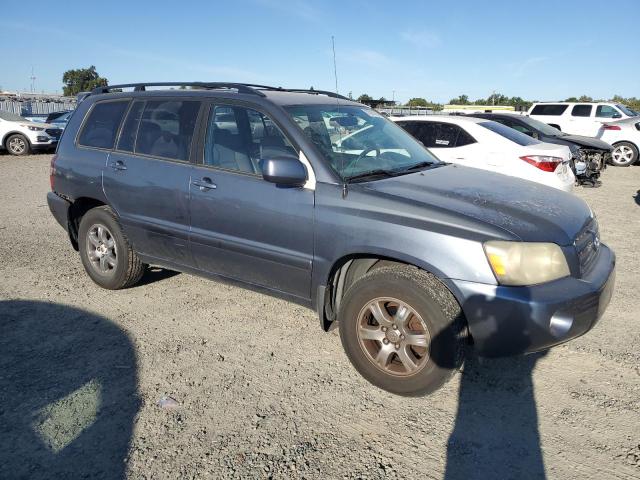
x,y
20,136
581,118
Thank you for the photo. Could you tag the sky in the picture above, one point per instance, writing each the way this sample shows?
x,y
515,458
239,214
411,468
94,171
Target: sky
x,y
542,50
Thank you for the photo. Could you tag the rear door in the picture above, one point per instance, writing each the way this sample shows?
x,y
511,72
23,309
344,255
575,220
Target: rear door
x,y
581,120
146,178
243,227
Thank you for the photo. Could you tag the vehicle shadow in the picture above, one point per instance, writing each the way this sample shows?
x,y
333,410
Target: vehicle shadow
x,y
155,274
636,197
68,393
495,434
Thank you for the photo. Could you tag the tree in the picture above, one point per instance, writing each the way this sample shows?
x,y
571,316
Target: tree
x,y
82,80
364,98
417,102
461,100
585,98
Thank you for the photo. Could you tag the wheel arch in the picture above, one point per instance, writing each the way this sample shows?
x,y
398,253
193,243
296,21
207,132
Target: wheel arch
x,y
75,213
14,132
348,268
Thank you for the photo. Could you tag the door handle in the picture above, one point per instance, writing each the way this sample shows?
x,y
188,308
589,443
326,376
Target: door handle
x,y
118,165
204,184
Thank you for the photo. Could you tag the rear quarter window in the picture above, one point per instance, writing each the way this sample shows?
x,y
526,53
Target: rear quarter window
x,y
549,109
101,126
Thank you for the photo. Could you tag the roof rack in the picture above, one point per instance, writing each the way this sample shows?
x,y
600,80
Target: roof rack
x,y
141,87
250,88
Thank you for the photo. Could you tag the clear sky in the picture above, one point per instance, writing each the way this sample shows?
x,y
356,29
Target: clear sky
x,y
544,50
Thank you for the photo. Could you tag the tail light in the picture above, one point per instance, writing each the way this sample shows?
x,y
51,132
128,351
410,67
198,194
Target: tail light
x,y
543,162
52,170
612,127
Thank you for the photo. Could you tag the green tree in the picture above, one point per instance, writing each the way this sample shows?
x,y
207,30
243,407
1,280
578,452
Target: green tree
x,y
417,102
364,98
461,100
81,80
585,98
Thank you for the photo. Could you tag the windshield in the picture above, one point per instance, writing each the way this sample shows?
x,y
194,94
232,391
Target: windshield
x,y
358,140
542,127
509,133
12,117
627,111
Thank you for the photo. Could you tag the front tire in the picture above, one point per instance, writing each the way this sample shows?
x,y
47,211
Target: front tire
x,y
18,144
624,154
402,329
106,254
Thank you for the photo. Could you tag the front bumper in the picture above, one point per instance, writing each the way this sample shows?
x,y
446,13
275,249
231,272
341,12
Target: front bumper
x,y
512,320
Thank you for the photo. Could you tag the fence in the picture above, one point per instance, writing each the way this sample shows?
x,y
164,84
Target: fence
x,y
32,107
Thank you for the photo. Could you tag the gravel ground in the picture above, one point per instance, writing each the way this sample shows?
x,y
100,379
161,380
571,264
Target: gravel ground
x,y
260,392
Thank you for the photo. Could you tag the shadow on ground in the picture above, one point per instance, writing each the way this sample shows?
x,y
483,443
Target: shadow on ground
x,y
68,393
155,274
636,197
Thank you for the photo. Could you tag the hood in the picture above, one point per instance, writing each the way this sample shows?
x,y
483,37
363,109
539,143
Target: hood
x,y
527,210
581,141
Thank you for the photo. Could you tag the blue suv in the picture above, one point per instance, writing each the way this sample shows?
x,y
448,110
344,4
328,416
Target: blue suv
x,y
309,196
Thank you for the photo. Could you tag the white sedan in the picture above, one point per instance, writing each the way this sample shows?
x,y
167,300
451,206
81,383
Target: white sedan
x,y
624,136
488,145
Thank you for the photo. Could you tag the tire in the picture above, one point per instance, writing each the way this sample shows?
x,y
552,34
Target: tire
x,y
18,144
106,254
624,154
433,320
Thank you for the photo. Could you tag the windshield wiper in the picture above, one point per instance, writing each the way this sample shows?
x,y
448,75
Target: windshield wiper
x,y
370,175
416,167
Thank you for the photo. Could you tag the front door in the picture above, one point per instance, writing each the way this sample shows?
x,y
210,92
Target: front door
x,y
243,227
146,178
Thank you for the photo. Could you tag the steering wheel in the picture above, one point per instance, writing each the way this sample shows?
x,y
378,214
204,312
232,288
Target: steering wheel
x,y
364,154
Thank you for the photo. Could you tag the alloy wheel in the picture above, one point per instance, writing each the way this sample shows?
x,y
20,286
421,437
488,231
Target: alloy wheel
x,y
17,145
622,154
101,249
393,336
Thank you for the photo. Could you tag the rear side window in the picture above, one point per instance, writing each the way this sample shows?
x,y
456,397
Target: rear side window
x,y
549,109
166,128
606,111
438,135
581,111
509,133
127,139
101,127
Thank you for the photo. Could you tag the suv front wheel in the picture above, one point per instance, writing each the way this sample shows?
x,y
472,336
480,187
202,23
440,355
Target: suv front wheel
x,y
402,329
106,254
18,144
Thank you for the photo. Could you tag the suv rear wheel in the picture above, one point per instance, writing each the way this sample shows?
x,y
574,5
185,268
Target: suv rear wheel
x,y
18,144
106,254
402,329
624,154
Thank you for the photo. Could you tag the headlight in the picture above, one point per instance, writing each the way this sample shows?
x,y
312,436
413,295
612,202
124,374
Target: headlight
x,y
525,263
33,129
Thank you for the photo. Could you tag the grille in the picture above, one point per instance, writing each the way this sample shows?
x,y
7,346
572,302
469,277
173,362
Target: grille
x,y
54,132
587,245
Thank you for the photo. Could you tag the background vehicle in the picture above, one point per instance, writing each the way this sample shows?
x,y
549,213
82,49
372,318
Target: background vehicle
x,y
579,118
19,136
408,255
624,135
489,145
589,155
60,120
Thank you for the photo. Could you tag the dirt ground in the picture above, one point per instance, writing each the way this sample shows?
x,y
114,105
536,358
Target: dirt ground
x,y
262,392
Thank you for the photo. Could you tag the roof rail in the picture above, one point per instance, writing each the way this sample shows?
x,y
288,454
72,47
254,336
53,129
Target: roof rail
x,y
298,90
141,87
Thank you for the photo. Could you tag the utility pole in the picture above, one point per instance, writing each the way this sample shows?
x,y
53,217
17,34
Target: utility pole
x,y
33,80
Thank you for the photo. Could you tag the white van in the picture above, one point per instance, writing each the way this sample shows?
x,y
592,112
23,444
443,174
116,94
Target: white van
x,y
580,118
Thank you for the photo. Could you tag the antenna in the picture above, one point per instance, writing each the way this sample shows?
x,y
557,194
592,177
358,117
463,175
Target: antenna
x,y
335,69
335,75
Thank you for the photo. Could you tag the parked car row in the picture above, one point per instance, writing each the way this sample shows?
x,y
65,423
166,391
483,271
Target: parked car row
x,y
309,196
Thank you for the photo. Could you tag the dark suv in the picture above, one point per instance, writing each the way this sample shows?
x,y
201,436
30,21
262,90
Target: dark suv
x,y
269,188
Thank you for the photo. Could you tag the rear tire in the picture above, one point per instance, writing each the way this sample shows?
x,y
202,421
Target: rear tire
x,y
624,154
106,254
402,329
18,144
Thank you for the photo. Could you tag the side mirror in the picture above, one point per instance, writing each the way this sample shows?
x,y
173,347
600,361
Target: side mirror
x,y
284,170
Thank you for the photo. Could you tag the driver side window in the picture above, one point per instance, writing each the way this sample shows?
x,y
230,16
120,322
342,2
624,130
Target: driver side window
x,y
606,111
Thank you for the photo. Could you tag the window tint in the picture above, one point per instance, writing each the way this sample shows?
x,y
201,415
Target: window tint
x,y
238,138
166,128
516,126
581,111
438,135
549,109
606,111
509,133
101,127
130,129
